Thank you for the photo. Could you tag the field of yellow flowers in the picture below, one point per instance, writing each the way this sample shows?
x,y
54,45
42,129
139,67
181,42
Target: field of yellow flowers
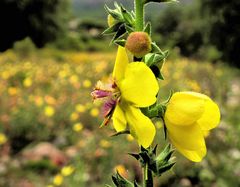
x,y
49,133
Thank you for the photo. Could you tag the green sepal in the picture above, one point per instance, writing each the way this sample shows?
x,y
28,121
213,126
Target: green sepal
x,y
121,133
127,16
154,111
148,29
121,31
115,13
112,29
136,156
163,162
129,29
120,181
120,42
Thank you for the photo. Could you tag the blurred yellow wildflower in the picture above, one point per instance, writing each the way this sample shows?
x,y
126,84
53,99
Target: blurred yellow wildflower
x,y
58,180
87,83
38,100
49,111
80,108
74,116
12,91
121,170
188,116
94,112
3,138
27,82
105,144
67,170
77,127
50,100
5,75
73,79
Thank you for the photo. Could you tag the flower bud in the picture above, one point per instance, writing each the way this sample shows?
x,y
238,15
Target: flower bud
x,y
139,44
111,21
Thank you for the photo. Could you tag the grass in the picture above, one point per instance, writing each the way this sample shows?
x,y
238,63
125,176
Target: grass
x,y
45,97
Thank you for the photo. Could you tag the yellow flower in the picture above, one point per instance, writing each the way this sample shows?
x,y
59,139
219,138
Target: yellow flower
x,y
49,111
58,180
77,127
188,116
87,83
94,112
3,138
134,86
67,170
27,82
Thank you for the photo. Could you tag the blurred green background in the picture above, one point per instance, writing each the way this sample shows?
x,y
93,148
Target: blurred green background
x,y
52,54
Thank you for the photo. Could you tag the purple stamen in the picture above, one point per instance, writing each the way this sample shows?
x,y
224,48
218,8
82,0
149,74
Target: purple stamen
x,y
109,106
100,93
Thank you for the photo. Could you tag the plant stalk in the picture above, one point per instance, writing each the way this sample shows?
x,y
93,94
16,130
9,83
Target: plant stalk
x,y
139,11
147,177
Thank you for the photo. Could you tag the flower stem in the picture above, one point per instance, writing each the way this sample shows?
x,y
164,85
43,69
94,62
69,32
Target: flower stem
x,y
139,11
147,177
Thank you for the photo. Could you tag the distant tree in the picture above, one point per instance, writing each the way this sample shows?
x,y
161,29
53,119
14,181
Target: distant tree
x,y
224,27
41,20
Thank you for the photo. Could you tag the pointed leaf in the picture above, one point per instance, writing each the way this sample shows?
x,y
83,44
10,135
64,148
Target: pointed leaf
x,y
148,28
120,42
112,29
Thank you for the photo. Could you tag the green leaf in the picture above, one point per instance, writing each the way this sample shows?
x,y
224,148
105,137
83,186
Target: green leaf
x,y
127,16
129,29
148,28
120,181
116,14
121,31
120,42
112,29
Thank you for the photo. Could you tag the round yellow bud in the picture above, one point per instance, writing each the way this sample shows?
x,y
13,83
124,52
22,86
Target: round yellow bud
x,y
139,44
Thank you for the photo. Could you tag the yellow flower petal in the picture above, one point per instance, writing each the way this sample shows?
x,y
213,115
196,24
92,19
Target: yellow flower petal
x,y
211,117
195,156
119,120
141,127
185,108
120,64
139,85
189,137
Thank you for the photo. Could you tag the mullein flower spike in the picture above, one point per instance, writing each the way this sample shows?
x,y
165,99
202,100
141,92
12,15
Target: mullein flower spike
x,y
188,117
128,92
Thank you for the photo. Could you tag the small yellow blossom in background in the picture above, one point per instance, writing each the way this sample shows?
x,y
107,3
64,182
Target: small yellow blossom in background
x,y
50,185
67,170
105,144
94,112
50,100
121,170
87,83
62,74
12,91
77,127
5,75
3,138
27,82
38,101
188,118
74,116
58,180
49,111
73,79
80,108
130,138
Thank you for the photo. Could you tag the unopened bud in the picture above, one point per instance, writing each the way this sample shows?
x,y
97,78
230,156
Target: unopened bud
x,y
139,44
111,21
